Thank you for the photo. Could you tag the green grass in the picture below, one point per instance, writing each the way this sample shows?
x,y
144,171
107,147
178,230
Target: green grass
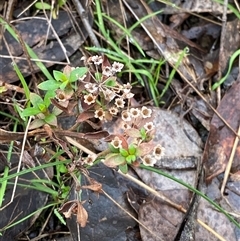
x,y
189,187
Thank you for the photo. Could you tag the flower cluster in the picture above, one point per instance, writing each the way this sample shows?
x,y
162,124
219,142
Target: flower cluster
x,y
101,91
157,154
136,143
102,97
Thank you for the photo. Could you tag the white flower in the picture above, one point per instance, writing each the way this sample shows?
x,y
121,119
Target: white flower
x,y
146,112
116,142
135,112
109,94
113,110
119,102
107,71
117,67
89,99
126,116
89,160
158,151
127,88
127,95
91,87
149,126
125,126
97,59
61,95
148,160
100,114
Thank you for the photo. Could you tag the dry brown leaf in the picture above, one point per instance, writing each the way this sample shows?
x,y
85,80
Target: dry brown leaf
x,y
94,185
68,208
82,215
221,138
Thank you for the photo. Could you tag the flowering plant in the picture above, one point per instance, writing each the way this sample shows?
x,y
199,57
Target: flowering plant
x,y
136,143
101,99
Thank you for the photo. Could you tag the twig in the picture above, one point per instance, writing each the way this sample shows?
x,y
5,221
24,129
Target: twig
x,y
154,192
81,147
24,10
35,60
221,51
55,34
207,102
230,161
84,17
178,207
128,213
23,45
10,8
19,164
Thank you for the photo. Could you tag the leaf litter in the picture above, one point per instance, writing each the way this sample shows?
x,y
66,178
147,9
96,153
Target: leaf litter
x,y
181,143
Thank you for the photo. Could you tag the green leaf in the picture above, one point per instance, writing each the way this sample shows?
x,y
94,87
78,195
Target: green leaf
x,y
59,216
143,133
61,2
123,168
42,6
60,76
30,111
98,76
42,107
44,188
233,57
35,99
114,159
49,85
110,82
61,168
77,73
48,96
130,159
123,152
51,119
63,85
36,124
132,149
113,149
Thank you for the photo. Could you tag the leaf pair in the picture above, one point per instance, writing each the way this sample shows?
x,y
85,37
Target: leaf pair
x,y
76,208
63,79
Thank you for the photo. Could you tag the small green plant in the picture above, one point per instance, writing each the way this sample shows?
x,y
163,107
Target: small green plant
x,y
40,109
61,87
102,98
46,6
135,144
64,80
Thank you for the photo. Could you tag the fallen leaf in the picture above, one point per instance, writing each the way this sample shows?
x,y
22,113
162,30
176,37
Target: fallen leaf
x,y
221,138
94,185
82,215
68,208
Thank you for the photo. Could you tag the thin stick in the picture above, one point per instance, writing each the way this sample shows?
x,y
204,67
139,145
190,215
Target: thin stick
x,y
230,161
19,164
128,213
50,26
84,17
222,56
179,207
81,147
35,60
153,191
